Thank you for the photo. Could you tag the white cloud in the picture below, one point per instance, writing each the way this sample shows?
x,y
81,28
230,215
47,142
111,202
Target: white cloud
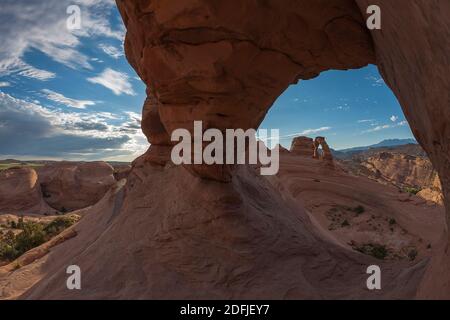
x,y
376,81
118,82
366,121
25,70
305,132
32,130
393,118
313,131
41,26
61,99
111,51
387,126
379,128
4,84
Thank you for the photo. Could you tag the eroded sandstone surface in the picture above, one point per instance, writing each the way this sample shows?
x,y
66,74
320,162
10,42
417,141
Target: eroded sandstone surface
x,y
69,186
20,192
250,238
209,61
303,146
168,234
406,167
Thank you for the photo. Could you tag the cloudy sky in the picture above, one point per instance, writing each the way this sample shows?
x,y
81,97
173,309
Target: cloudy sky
x,y
70,94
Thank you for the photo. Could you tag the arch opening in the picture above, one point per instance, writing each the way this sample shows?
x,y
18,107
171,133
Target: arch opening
x,y
380,177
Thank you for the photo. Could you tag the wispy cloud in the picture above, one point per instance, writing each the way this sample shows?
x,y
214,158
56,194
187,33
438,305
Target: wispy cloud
x,y
116,81
379,128
25,70
4,84
112,51
366,121
305,132
313,131
376,81
387,126
41,26
61,99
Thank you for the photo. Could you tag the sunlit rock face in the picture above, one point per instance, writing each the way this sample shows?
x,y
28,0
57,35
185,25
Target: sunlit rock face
x,y
225,64
69,186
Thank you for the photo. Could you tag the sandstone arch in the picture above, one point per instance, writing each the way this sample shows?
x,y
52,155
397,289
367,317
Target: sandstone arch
x,y
225,63
326,152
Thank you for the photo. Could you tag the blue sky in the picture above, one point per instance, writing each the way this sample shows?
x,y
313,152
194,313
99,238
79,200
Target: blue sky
x,y
350,108
72,95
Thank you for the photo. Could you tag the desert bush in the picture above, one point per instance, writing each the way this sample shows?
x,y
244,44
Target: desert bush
x,y
33,235
59,224
412,190
375,250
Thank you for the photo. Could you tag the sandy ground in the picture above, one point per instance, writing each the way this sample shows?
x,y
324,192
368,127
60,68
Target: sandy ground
x,y
354,210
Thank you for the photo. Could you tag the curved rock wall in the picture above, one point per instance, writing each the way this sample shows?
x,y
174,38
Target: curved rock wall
x,y
225,62
413,57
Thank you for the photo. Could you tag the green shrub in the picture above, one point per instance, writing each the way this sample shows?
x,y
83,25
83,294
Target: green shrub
x,y
59,224
412,190
33,235
375,250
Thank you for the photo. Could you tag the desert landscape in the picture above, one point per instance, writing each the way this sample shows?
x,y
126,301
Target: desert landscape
x,y
325,220
154,229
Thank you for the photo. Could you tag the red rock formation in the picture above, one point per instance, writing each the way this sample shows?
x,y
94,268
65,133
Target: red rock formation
x,y
69,186
20,192
302,146
169,235
413,57
282,149
326,152
121,171
225,65
205,60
